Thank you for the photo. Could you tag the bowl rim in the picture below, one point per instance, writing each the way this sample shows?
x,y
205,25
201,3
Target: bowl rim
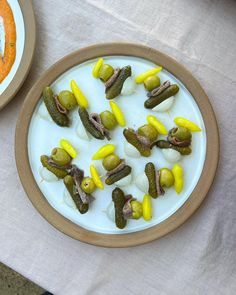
x,y
27,56
128,239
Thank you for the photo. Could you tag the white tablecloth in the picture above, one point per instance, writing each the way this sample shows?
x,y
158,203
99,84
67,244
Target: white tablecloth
x,y
199,257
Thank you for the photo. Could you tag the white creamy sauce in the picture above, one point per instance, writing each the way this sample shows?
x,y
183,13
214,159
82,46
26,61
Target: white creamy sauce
x,y
2,37
44,136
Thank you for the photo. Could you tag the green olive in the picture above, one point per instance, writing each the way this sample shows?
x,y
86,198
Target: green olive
x,y
88,185
110,162
148,131
67,99
137,209
166,177
108,120
152,82
181,133
105,72
60,157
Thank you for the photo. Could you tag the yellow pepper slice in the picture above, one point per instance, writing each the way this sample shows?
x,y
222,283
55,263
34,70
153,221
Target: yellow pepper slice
x,y
80,97
161,129
97,67
178,173
140,78
95,176
104,151
120,118
147,208
182,122
67,146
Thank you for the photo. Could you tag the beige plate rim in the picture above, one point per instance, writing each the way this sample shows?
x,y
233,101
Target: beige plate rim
x,y
130,239
28,53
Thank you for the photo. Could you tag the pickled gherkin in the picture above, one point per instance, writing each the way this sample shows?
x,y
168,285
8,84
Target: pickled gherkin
x,y
60,173
70,186
88,125
118,175
119,200
49,100
151,175
115,89
153,101
132,138
164,144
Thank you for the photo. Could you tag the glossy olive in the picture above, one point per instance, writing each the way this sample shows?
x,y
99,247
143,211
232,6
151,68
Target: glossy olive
x,y
67,99
152,82
88,185
137,209
108,120
60,157
110,162
166,177
181,133
148,131
105,72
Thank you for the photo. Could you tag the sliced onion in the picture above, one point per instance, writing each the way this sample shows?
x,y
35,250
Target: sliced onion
x,y
142,182
43,112
67,199
165,105
129,86
171,155
131,151
110,211
82,132
47,175
124,181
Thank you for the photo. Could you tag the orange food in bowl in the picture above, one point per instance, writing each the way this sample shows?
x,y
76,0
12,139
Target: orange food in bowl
x,y
7,61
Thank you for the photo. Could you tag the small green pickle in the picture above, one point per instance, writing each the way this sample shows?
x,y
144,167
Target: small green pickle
x,y
59,118
131,137
164,144
119,175
153,101
88,125
151,175
118,198
69,183
60,173
116,87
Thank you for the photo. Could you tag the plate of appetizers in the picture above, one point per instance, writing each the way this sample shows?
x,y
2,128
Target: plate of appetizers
x,y
17,43
117,144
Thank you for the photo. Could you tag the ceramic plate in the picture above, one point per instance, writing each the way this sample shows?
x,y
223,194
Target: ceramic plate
x,y
25,44
37,135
